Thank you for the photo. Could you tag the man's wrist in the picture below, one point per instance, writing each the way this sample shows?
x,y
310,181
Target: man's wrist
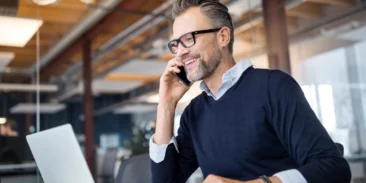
x,y
265,179
275,179
272,179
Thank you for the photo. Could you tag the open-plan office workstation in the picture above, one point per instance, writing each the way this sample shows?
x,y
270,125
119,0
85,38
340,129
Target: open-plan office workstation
x,y
84,75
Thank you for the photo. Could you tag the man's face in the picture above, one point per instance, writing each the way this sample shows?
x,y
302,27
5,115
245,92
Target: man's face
x,y
205,53
3,130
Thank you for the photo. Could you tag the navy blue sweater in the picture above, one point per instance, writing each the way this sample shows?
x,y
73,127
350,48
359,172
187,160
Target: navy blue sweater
x,y
261,126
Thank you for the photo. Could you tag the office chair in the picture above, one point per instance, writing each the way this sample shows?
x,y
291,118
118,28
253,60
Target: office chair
x,y
135,170
109,162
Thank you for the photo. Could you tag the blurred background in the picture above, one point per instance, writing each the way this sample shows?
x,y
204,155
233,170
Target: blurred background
x,y
95,64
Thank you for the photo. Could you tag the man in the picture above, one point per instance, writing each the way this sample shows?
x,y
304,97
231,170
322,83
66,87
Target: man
x,y
9,129
249,125
8,153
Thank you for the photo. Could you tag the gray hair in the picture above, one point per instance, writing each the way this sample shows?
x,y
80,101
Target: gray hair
x,y
214,10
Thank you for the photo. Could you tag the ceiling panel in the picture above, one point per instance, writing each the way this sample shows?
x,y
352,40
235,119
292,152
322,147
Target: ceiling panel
x,y
135,108
147,67
26,108
102,86
354,35
51,14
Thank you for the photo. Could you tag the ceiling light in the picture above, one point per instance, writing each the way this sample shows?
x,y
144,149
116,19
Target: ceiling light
x,y
2,121
28,87
135,109
88,1
31,108
155,98
16,31
5,59
146,67
45,2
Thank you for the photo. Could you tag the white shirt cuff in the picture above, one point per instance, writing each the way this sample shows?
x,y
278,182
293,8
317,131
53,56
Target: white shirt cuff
x,y
290,176
157,151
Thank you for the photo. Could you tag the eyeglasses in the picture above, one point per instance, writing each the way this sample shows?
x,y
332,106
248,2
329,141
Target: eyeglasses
x,y
188,39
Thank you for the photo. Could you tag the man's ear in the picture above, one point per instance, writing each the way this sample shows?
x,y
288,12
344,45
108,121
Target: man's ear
x,y
224,37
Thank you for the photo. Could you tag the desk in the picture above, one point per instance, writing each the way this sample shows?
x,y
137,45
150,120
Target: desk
x,y
25,168
18,173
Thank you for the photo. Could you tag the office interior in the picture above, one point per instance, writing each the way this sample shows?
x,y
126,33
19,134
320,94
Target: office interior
x,y
96,64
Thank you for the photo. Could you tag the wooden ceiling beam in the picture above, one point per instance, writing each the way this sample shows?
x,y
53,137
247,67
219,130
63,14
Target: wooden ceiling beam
x,y
291,24
257,33
334,2
97,29
55,29
26,51
306,10
44,41
51,14
131,77
21,62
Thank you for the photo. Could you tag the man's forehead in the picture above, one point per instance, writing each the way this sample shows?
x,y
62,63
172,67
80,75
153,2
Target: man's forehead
x,y
191,20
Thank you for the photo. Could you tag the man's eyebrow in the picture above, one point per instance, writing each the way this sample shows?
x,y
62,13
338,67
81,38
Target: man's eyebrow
x,y
175,38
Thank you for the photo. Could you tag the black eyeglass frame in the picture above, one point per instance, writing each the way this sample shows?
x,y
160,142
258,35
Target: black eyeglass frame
x,y
194,33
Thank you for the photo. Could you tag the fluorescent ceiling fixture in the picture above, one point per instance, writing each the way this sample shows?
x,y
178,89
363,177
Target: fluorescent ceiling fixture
x,y
26,108
28,87
15,31
354,35
45,2
135,109
5,59
147,67
88,1
103,86
2,121
155,98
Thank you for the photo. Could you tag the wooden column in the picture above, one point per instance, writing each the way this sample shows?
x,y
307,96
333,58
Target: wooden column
x,y
88,105
28,116
276,34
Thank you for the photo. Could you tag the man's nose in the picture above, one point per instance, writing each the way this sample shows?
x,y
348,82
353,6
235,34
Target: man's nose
x,y
181,51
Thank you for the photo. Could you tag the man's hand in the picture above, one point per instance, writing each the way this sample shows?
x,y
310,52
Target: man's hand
x,y
217,179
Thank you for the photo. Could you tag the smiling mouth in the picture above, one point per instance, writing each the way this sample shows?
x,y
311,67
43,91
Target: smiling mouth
x,y
190,61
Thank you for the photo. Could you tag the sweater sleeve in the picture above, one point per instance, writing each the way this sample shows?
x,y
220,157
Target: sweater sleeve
x,y
176,167
302,134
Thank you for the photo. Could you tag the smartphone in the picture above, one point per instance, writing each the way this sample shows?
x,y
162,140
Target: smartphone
x,y
182,76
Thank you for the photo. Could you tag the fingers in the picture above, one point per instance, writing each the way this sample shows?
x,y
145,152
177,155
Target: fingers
x,y
179,61
173,65
170,68
174,69
175,62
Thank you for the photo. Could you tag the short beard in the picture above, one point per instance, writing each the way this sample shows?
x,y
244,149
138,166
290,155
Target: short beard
x,y
206,69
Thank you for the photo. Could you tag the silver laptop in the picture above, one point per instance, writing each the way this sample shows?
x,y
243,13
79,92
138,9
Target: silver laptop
x,y
58,156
